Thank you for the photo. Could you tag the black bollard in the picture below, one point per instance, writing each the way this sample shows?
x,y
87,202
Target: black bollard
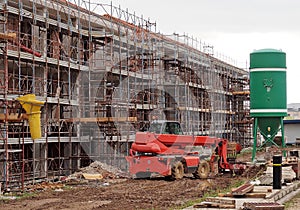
x,y
277,171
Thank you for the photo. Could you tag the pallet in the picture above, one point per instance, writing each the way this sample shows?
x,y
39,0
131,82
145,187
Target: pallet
x,y
243,189
263,206
216,202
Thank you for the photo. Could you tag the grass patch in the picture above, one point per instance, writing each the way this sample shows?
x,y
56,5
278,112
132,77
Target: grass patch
x,y
26,194
18,195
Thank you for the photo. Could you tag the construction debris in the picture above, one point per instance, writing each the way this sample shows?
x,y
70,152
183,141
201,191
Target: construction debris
x,y
288,174
243,189
294,162
217,202
44,186
97,171
262,206
255,197
92,176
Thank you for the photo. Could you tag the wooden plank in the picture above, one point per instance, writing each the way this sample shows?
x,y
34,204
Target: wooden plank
x,y
220,200
13,117
263,206
116,119
228,194
10,36
243,189
200,205
92,176
214,204
102,119
255,195
226,206
241,93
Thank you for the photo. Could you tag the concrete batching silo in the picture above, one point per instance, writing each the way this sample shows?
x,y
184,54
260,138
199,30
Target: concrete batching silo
x,y
268,103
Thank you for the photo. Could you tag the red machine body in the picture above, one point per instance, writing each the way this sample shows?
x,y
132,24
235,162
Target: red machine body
x,y
165,150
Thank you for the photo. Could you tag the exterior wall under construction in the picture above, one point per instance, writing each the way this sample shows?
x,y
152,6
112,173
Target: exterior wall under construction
x,y
102,76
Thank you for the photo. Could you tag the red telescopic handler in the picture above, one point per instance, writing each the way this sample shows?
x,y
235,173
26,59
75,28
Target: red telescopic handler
x,y
166,151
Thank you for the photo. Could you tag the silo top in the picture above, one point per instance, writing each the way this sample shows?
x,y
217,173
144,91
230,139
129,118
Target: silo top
x,y
267,58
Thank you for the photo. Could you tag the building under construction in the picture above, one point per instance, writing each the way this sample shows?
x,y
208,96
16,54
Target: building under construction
x,y
101,74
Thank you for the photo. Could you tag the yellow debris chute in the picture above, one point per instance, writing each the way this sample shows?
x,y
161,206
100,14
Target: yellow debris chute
x,y
33,110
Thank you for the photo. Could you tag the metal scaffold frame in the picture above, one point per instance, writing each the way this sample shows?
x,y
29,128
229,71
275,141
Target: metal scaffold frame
x,y
104,73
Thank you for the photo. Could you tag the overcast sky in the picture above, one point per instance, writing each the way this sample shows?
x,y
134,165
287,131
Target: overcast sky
x,y
234,27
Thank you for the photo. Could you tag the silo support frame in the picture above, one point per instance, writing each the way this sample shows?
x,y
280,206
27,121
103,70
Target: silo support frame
x,y
254,139
282,137
268,139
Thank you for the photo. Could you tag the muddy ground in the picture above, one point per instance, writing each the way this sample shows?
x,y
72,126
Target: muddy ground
x,y
112,192
121,194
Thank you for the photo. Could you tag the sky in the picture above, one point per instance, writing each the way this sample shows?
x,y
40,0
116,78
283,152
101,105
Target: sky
x,y
235,28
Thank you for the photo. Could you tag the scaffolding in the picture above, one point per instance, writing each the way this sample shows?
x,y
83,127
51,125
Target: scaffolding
x,y
104,73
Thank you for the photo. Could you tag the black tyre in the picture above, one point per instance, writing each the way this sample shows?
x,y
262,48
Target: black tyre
x,y
177,171
202,170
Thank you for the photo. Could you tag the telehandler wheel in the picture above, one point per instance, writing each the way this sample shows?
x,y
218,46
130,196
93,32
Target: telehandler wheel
x,y
177,171
203,170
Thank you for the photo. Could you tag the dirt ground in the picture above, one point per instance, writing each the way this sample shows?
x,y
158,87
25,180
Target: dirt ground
x,y
121,194
114,192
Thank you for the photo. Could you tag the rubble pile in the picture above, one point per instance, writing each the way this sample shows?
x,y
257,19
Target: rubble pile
x,y
253,171
97,171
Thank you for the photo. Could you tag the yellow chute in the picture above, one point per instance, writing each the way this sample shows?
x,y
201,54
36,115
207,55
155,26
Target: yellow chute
x,y
33,110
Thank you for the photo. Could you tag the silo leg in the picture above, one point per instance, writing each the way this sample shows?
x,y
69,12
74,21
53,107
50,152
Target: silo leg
x,y
254,139
282,137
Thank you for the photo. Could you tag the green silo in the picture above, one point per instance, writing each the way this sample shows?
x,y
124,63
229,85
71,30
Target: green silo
x,y
268,103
